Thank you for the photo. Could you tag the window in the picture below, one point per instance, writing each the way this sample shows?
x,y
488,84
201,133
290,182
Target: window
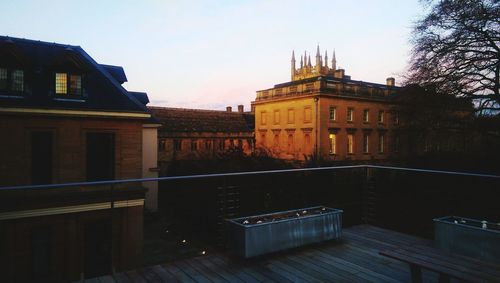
x,y
333,113
61,83
3,78
366,143
290,143
208,145
366,115
276,140
291,116
263,139
178,145
276,117
240,144
263,118
350,114
12,80
221,144
396,144
381,143
396,118
307,114
161,145
18,80
231,143
350,143
381,116
68,84
333,143
40,251
307,142
194,145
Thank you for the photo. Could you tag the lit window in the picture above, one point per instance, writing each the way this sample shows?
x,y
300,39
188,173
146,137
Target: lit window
x,y
208,144
350,143
333,143
61,83
307,142
381,143
366,115
3,78
350,114
381,116
366,143
194,145
18,80
276,140
333,113
75,85
221,144
263,139
263,118
290,143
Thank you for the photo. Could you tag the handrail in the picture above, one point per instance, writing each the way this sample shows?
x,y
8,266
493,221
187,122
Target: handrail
x,y
186,177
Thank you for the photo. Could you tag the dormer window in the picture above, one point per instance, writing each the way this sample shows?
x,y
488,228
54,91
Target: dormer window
x,y
68,84
12,80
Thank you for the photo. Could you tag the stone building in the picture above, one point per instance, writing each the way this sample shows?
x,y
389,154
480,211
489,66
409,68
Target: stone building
x,y
323,112
64,118
194,134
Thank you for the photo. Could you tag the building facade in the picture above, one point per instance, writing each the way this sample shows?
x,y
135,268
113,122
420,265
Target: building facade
x,y
323,113
65,118
194,134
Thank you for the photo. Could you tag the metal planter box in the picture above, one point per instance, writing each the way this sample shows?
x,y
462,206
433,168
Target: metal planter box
x,y
262,234
470,237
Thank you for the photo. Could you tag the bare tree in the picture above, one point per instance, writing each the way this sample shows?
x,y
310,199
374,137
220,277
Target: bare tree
x,y
456,49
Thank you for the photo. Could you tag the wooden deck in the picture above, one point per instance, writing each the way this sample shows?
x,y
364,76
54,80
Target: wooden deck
x,y
353,259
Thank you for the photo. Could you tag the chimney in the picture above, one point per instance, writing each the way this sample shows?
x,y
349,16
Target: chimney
x,y
240,108
391,82
339,73
229,109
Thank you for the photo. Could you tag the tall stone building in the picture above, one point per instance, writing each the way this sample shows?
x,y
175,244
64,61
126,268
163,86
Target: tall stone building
x,y
323,112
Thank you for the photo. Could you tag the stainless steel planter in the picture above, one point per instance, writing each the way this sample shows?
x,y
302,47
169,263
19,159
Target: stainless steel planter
x,y
470,237
249,240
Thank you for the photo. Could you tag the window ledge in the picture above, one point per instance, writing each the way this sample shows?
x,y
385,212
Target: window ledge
x,y
69,99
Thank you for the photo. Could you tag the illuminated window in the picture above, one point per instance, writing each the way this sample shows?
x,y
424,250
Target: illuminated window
x,y
3,78
350,114
381,143
307,114
291,116
366,115
208,145
263,139
381,116
366,143
333,143
61,83
276,116
263,118
221,144
290,143
276,140
350,143
333,113
18,80
75,85
307,142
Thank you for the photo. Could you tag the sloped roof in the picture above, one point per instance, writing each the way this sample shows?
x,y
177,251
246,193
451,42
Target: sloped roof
x,y
41,59
198,120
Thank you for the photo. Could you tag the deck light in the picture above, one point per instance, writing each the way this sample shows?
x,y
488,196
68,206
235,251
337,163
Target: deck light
x,y
183,241
203,252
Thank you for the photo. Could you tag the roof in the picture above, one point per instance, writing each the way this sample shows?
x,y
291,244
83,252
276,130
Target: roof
x,y
330,78
39,60
116,72
199,120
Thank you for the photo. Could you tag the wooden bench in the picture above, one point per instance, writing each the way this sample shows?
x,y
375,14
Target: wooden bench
x,y
446,265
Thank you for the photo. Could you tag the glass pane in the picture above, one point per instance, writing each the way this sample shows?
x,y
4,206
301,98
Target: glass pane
x,y
75,84
18,80
61,83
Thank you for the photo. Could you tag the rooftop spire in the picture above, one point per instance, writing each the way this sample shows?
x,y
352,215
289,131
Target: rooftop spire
x,y
326,59
293,55
334,61
317,51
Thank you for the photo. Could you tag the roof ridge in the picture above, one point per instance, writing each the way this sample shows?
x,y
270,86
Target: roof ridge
x,y
6,37
192,109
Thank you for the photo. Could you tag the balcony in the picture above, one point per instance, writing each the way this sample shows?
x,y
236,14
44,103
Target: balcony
x,y
385,208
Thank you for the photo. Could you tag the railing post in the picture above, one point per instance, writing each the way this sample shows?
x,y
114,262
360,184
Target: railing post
x,y
369,196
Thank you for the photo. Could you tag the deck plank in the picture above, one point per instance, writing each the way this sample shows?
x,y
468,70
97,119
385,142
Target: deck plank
x,y
355,258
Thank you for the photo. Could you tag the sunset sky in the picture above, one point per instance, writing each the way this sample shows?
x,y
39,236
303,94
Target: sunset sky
x,y
211,54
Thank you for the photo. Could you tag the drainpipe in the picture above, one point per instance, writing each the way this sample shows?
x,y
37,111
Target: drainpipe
x,y
316,140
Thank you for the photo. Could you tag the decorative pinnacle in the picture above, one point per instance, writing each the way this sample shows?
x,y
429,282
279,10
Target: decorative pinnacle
x,y
293,55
